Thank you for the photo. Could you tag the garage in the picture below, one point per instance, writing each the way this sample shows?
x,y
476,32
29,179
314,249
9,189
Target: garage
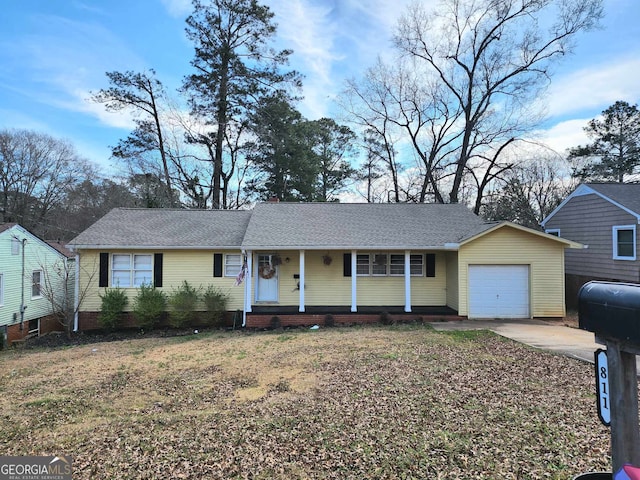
x,y
499,291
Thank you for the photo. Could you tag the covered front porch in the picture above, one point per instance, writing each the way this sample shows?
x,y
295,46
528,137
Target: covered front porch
x,y
348,284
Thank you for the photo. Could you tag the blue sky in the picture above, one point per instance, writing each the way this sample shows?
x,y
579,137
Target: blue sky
x,y
53,53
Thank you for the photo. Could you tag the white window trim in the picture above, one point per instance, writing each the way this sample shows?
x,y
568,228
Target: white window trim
x,y
234,265
423,265
39,285
36,330
1,289
15,246
553,231
388,265
368,274
132,270
615,231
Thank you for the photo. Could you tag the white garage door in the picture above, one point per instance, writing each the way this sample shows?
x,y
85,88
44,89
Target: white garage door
x,y
499,291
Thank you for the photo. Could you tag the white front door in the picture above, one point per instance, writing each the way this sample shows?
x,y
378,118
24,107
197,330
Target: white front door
x,y
499,291
267,275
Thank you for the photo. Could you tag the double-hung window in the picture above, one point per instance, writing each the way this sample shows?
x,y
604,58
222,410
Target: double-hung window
x,y
624,242
36,284
389,264
379,266
232,265
396,264
131,270
15,246
362,264
416,265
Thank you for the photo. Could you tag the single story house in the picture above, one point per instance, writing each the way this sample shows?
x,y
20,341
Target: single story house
x,y
300,261
604,218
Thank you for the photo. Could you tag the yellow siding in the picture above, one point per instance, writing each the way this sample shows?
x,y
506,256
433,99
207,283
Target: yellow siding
x,y
452,280
192,265
326,285
509,246
431,290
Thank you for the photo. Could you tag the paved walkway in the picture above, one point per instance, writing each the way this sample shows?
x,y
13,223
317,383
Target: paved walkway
x,y
572,342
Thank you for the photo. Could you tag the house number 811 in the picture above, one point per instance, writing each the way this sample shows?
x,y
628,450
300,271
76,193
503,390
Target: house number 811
x,y
602,386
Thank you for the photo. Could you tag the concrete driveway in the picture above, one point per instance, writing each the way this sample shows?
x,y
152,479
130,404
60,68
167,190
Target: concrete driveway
x,y
572,342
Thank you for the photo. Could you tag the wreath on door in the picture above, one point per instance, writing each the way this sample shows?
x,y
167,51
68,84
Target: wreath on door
x,y
267,271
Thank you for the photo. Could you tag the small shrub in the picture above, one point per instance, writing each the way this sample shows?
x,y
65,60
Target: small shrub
x,y
114,301
149,306
183,302
329,321
215,305
386,318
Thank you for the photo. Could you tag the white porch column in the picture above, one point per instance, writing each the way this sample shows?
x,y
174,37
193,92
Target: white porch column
x,y
248,282
407,281
354,286
301,280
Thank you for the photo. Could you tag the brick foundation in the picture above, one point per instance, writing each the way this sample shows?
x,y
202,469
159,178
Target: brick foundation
x,y
303,320
48,324
89,320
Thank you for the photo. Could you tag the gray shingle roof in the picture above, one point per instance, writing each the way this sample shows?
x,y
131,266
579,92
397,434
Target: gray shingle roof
x,y
348,225
134,227
626,194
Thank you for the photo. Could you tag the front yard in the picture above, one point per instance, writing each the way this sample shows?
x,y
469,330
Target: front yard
x,y
344,403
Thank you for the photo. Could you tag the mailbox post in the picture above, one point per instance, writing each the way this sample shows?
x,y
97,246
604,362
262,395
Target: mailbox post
x,y
612,312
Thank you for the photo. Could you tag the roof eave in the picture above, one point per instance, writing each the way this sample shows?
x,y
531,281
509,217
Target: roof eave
x,y
345,247
77,247
567,243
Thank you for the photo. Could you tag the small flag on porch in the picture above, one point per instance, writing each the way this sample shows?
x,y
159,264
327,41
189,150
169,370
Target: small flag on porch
x,y
241,274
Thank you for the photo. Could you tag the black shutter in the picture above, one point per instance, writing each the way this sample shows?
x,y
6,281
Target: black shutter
x,y
431,265
346,267
103,275
217,264
157,269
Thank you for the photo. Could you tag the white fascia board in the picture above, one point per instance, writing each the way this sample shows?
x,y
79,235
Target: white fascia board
x,y
152,247
581,190
37,239
347,247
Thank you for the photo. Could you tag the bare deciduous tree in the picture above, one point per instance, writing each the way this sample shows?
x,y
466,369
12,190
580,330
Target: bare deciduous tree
x,y
492,57
59,289
36,170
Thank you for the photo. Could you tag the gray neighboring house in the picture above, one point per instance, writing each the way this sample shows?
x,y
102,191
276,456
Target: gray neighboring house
x,y
604,218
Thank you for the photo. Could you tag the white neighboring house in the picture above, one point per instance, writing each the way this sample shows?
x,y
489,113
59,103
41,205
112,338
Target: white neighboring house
x,y
37,280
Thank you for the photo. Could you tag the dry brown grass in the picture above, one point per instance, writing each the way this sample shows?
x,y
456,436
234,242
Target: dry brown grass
x,y
347,403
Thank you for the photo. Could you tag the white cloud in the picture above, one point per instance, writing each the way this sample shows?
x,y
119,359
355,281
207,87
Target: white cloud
x,y
595,87
65,74
177,8
564,135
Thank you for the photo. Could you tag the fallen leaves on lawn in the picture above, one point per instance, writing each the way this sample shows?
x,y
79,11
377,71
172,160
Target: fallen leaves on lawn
x,y
348,403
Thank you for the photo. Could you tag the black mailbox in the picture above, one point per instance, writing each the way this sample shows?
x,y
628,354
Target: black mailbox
x,y
610,310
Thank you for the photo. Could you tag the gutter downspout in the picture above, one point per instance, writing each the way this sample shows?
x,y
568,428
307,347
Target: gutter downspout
x,y
76,294
22,305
